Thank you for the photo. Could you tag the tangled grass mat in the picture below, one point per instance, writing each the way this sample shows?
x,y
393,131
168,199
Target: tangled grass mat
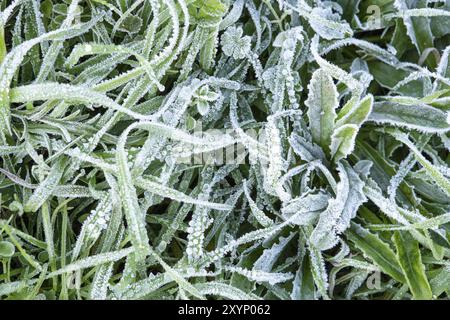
x,y
224,149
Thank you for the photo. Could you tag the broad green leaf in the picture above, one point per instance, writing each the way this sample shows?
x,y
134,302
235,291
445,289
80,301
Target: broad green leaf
x,y
376,250
343,141
410,260
418,117
93,261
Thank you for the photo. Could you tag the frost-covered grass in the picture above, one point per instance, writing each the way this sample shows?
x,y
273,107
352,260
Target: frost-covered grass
x,y
113,115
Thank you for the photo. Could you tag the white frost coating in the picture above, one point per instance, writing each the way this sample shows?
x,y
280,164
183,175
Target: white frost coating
x,y
93,261
261,276
322,102
120,151
335,71
234,45
267,260
274,170
337,216
259,215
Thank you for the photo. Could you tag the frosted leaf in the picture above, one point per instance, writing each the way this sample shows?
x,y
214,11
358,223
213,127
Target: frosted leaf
x,y
270,78
165,53
421,73
128,195
130,25
288,39
4,150
15,57
220,220
341,254
197,227
100,283
343,141
322,102
142,288
69,93
259,215
261,276
334,71
256,149
233,44
52,53
355,283
179,279
319,271
270,256
373,192
306,150
93,261
443,68
4,16
203,98
45,188
432,223
372,49
12,287
173,194
419,117
98,219
337,216
17,179
225,291
355,113
328,24
139,113
93,48
273,173
405,166
440,282
233,14
7,249
200,221
306,208
431,170
417,12
417,37
247,238
359,264
71,191
97,162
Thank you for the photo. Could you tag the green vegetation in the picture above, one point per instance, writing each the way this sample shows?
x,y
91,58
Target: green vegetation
x,y
118,119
